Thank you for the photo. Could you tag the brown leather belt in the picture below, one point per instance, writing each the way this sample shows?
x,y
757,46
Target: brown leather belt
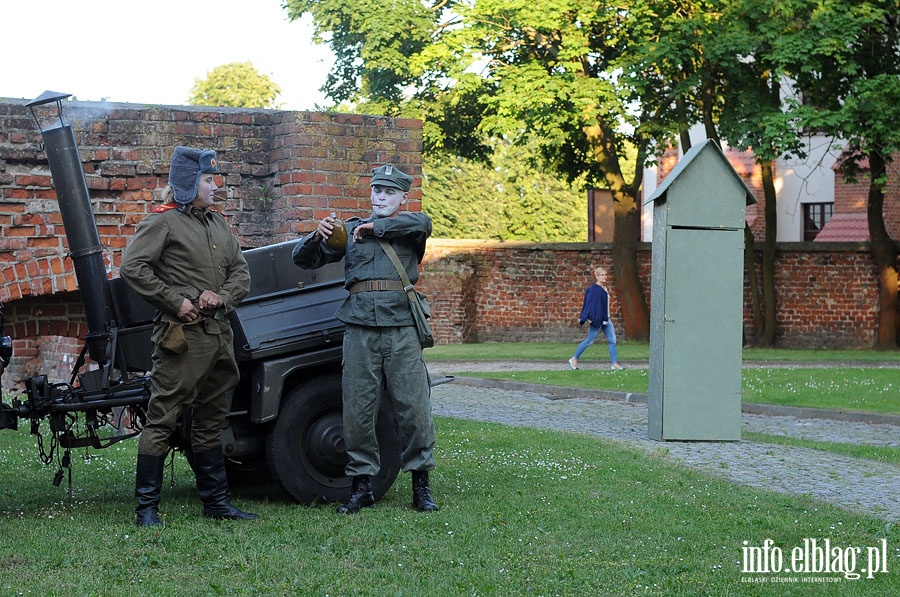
x,y
368,285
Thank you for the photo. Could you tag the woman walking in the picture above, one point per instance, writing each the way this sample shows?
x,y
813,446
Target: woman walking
x,y
596,310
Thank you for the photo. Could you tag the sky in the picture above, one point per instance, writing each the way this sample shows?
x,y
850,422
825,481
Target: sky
x,y
152,51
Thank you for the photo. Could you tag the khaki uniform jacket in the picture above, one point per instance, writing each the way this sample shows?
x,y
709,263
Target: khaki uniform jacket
x,y
178,253
366,260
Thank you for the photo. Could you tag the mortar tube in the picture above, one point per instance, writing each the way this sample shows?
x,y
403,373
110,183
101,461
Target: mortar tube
x,y
84,239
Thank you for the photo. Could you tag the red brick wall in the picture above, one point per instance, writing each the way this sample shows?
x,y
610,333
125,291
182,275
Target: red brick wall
x,y
851,197
492,291
826,296
892,200
282,170
485,291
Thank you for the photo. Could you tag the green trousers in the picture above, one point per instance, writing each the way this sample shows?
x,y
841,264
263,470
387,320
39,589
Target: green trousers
x,y
375,357
198,379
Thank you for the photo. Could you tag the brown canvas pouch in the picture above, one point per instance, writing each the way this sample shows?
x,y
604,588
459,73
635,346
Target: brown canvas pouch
x,y
173,338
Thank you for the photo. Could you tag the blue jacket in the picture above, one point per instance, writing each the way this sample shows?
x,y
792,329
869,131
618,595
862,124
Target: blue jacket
x,y
596,306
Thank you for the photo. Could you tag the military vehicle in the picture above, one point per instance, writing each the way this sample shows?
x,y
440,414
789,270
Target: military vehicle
x,y
285,418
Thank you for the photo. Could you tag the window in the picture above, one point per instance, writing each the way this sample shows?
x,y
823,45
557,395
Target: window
x,y
815,216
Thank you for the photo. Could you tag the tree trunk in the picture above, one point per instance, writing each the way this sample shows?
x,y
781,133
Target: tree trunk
x,y
753,281
685,139
635,311
770,324
884,253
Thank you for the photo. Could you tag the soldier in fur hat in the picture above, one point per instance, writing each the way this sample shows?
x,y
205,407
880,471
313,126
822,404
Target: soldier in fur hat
x,y
185,260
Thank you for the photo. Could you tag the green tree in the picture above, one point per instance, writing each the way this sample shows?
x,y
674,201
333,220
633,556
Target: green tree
x,y
508,200
741,99
584,82
753,118
717,58
552,74
235,85
846,59
733,63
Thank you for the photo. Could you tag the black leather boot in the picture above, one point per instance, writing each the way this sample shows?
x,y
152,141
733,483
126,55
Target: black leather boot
x,y
422,500
147,487
212,485
360,495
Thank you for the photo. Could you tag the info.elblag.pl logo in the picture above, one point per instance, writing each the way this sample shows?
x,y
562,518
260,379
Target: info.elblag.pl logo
x,y
813,557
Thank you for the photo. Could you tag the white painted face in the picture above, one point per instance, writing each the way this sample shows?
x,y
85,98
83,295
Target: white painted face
x,y
386,201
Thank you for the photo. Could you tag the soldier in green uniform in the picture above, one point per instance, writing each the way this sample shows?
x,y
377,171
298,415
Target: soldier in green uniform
x,y
185,260
381,346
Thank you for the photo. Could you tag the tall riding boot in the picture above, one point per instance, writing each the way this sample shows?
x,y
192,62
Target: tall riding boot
x,y
147,487
422,500
212,485
360,495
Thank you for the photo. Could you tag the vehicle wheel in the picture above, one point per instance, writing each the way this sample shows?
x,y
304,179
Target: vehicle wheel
x,y
306,450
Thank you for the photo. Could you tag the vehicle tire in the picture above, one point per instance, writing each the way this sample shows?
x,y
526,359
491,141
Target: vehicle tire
x,y
305,448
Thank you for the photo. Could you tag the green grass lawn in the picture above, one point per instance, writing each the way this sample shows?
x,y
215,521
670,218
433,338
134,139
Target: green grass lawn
x,y
629,351
523,512
862,389
848,384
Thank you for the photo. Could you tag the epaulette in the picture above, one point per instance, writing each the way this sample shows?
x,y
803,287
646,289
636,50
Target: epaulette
x,y
165,207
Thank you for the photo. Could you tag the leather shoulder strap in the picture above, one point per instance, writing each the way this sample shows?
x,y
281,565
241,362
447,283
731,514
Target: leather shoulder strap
x,y
392,255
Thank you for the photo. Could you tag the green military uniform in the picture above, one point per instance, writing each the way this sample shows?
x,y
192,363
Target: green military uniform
x,y
380,342
176,253
181,254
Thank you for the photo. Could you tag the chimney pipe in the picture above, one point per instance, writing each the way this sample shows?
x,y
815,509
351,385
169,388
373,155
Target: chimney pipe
x,y
81,230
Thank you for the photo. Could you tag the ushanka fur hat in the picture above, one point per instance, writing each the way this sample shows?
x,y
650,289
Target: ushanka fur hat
x,y
187,166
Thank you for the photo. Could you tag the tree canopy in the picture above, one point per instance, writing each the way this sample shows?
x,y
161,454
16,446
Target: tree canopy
x,y
235,85
592,90
509,200
846,61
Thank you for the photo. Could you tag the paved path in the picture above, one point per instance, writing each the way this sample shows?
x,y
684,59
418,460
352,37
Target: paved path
x,y
856,484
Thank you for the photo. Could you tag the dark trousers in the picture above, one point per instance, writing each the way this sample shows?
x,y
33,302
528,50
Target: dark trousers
x,y
373,357
199,379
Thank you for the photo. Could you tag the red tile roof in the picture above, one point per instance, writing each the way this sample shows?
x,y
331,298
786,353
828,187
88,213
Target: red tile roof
x,y
851,227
